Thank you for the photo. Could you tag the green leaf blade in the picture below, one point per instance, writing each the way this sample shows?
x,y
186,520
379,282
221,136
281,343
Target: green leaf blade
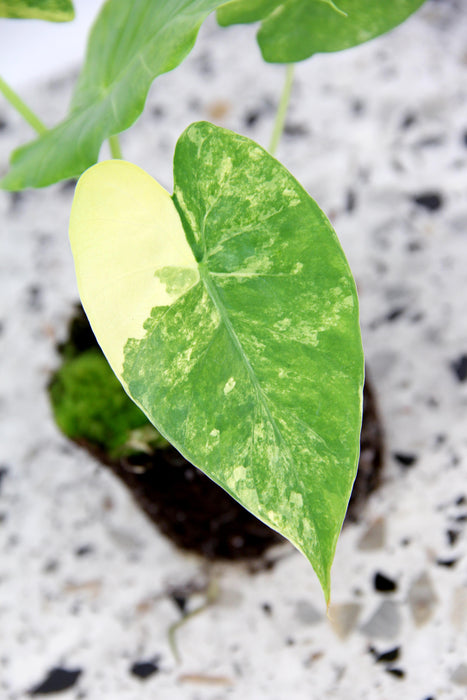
x,y
294,30
247,353
269,404
245,11
50,10
130,45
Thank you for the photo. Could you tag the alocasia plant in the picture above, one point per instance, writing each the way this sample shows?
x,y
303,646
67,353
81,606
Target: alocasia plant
x,y
227,310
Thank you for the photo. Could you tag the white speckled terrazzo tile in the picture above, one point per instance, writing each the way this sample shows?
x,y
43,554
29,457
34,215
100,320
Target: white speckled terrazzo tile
x,y
378,135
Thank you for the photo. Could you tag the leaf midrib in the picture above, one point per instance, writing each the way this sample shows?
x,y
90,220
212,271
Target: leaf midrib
x,y
216,300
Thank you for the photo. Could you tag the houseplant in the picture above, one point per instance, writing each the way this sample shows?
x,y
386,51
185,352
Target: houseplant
x,y
97,101
384,124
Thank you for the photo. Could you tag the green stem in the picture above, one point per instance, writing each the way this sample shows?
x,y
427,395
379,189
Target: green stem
x,y
16,102
115,149
282,109
212,593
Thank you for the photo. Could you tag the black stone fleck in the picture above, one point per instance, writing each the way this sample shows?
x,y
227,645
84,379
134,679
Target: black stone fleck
x,y
13,541
180,601
3,124
452,536
461,500
358,106
459,367
408,121
58,679
252,117
448,563
464,138
205,65
384,584
429,200
3,473
295,130
267,608
15,200
405,459
144,669
430,141
350,201
35,297
51,566
397,672
157,112
395,313
84,550
397,165
390,655
193,104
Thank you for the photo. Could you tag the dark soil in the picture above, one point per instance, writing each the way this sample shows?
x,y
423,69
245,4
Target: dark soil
x,y
195,513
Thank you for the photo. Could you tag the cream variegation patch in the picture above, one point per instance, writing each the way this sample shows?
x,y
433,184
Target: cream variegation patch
x,y
124,223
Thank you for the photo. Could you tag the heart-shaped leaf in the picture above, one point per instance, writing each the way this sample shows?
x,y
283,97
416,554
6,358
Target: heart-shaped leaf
x,y
52,10
230,315
293,30
130,45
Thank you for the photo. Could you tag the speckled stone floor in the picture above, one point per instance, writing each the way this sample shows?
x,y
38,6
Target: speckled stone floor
x,y
88,588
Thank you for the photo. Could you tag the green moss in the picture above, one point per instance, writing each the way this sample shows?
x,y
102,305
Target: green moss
x,y
89,404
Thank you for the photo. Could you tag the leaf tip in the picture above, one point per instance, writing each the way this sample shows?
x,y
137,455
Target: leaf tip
x,y
326,587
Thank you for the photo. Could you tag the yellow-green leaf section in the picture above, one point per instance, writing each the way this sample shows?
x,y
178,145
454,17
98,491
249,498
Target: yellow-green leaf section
x,y
51,10
231,317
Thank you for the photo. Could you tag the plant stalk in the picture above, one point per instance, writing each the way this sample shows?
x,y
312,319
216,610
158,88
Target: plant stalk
x,y
212,594
115,148
15,100
282,109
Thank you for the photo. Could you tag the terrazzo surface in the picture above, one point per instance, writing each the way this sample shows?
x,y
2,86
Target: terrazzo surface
x,y
88,588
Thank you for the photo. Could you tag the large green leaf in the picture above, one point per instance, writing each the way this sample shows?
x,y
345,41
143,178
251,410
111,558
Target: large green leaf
x,y
293,30
130,45
52,10
230,315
